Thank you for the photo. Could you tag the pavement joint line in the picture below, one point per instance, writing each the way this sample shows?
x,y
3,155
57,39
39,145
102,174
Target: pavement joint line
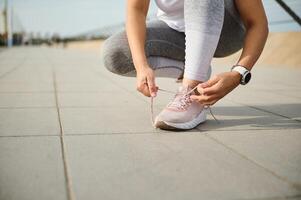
x,y
110,134
20,92
171,132
135,133
244,129
266,111
149,132
24,136
13,69
68,178
59,92
48,107
295,185
26,107
274,198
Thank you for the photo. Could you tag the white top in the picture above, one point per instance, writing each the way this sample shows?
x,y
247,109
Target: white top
x,y
172,13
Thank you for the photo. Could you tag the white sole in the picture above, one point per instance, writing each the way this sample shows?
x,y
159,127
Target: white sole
x,y
183,126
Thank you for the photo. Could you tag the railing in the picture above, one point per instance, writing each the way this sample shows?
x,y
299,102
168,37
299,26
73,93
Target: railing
x,y
289,11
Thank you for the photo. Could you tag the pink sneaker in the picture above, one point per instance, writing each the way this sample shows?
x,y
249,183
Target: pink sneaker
x,y
181,113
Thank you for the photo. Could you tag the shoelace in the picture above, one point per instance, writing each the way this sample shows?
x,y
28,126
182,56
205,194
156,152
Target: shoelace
x,y
183,101
171,92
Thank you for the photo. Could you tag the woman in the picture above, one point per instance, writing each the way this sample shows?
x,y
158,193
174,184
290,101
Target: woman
x,y
183,40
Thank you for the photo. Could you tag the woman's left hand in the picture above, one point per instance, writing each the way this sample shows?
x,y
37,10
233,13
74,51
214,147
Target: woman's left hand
x,y
216,88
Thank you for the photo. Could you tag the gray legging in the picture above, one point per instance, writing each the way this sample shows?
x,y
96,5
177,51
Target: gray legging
x,y
165,42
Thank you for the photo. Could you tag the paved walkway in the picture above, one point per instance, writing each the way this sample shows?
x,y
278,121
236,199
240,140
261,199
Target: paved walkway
x,y
71,130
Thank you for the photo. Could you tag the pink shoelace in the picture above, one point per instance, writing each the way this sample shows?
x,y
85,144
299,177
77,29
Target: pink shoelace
x,y
184,101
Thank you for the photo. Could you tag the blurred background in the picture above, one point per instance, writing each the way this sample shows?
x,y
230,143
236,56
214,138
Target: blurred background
x,y
36,22
83,25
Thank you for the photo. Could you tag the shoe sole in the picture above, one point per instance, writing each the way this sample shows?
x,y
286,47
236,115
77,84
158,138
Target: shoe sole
x,y
182,126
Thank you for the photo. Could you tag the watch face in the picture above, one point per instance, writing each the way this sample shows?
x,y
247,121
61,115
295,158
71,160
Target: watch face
x,y
247,78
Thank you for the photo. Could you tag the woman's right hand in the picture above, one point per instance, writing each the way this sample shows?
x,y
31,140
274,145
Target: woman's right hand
x,y
146,82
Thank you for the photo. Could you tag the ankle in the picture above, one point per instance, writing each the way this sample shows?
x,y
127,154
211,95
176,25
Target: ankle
x,y
190,83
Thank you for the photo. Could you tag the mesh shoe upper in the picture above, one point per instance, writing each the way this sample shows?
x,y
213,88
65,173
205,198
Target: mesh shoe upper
x,y
181,109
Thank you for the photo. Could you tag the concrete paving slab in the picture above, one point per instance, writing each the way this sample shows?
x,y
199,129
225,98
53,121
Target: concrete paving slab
x,y
6,68
296,93
236,117
165,166
297,197
283,155
289,77
276,88
86,81
99,86
16,87
21,100
107,120
127,83
100,99
37,62
277,103
30,121
31,169
29,75
8,61
76,76
72,67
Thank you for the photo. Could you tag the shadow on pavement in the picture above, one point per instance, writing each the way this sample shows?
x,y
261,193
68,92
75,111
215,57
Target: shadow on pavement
x,y
264,118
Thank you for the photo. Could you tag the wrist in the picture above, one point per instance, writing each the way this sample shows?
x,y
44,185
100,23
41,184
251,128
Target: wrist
x,y
141,67
143,70
140,64
236,76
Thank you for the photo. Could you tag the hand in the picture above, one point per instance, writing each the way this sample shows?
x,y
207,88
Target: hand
x,y
216,88
146,82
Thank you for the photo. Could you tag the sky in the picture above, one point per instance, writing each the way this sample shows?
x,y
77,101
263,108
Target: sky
x,y
71,17
68,17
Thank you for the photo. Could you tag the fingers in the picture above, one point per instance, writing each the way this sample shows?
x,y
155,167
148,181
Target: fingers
x,y
152,86
211,90
146,92
209,87
148,87
210,82
200,89
143,88
205,100
146,82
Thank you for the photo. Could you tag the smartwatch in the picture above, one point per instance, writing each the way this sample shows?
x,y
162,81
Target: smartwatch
x,y
244,72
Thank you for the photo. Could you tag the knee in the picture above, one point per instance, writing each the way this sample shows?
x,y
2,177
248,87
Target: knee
x,y
116,55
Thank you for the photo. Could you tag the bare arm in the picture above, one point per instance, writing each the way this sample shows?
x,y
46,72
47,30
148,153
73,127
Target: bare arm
x,y
135,29
255,21
136,33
